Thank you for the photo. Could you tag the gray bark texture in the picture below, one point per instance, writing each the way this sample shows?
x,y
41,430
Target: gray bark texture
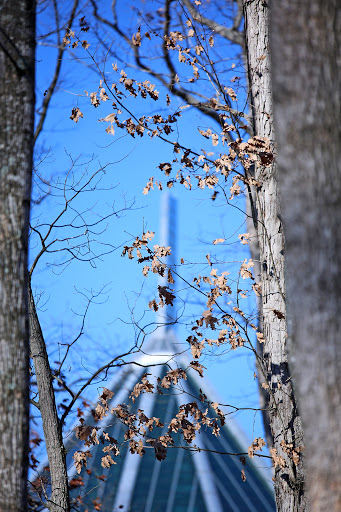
x,y
305,46
59,500
17,46
251,226
285,422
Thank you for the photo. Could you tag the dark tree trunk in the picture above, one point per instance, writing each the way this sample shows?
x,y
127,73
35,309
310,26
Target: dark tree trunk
x,y
285,422
59,500
305,45
17,45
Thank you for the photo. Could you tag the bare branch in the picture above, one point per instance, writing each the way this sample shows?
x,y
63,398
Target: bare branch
x,y
232,34
55,78
36,404
62,383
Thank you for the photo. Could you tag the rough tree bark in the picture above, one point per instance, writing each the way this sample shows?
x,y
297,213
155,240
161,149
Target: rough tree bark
x,y
59,500
305,44
284,419
17,45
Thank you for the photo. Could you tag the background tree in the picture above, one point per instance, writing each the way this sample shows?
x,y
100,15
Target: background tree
x,y
17,45
306,71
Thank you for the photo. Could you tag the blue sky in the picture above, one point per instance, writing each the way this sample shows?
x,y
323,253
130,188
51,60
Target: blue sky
x,y
129,163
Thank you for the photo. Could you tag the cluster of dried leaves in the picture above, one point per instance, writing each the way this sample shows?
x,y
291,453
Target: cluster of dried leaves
x,y
209,172
217,286
188,421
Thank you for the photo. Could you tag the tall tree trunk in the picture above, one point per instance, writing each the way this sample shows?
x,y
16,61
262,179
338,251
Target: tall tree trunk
x,y
17,44
305,44
59,500
251,226
284,419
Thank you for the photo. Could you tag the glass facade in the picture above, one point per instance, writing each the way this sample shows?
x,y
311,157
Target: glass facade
x,y
177,484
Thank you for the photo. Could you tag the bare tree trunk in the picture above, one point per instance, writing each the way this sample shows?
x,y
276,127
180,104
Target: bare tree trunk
x,y
306,42
251,226
17,33
59,500
284,419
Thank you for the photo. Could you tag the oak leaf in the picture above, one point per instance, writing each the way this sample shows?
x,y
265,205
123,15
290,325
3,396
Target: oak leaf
x,y
81,459
244,238
136,39
244,269
76,114
165,294
277,459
